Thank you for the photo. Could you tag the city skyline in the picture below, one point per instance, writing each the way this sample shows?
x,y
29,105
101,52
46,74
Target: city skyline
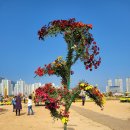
x,y
119,84
22,52
20,86
7,87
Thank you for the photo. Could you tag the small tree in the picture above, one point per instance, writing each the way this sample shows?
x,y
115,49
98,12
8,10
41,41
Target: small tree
x,y
80,45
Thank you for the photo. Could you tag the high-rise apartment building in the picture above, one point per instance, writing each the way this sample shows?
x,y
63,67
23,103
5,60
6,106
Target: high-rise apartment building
x,y
35,86
19,87
109,83
6,87
119,82
128,84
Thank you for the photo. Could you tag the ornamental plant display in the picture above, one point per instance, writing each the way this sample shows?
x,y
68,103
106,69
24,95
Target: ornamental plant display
x,y
55,99
80,45
93,93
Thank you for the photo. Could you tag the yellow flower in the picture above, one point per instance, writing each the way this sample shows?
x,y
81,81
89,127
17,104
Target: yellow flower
x,y
88,87
58,65
64,120
82,85
103,100
59,58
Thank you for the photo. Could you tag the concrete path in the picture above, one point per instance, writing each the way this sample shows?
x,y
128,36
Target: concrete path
x,y
111,122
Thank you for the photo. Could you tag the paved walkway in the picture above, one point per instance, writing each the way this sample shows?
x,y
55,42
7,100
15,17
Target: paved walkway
x,y
111,122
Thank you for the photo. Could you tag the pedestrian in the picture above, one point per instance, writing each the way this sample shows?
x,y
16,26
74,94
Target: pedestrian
x,y
14,103
24,100
1,98
30,105
18,105
83,96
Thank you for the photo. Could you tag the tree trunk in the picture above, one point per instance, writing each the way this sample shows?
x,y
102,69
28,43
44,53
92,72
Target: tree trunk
x,y
65,126
68,82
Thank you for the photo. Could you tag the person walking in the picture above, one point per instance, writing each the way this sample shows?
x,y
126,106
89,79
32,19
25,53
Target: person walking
x,y
30,105
14,103
24,100
18,105
1,99
83,96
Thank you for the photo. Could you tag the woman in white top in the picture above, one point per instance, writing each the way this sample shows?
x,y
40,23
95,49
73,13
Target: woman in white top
x,y
30,105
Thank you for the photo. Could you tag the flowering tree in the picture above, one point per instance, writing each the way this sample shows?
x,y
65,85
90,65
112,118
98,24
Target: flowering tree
x,y
80,45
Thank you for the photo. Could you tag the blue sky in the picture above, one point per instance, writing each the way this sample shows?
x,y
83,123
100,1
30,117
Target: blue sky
x,y
21,52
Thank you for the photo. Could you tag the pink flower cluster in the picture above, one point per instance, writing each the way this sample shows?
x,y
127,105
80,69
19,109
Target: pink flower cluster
x,y
52,98
91,60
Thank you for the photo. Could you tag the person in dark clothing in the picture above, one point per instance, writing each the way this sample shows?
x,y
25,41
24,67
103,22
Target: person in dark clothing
x,y
1,98
83,100
24,99
18,106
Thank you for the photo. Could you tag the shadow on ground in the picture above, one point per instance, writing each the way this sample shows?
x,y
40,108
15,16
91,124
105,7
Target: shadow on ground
x,y
71,125
22,113
69,128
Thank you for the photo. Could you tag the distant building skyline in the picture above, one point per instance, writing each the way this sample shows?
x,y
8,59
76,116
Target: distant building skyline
x,y
6,88
119,84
